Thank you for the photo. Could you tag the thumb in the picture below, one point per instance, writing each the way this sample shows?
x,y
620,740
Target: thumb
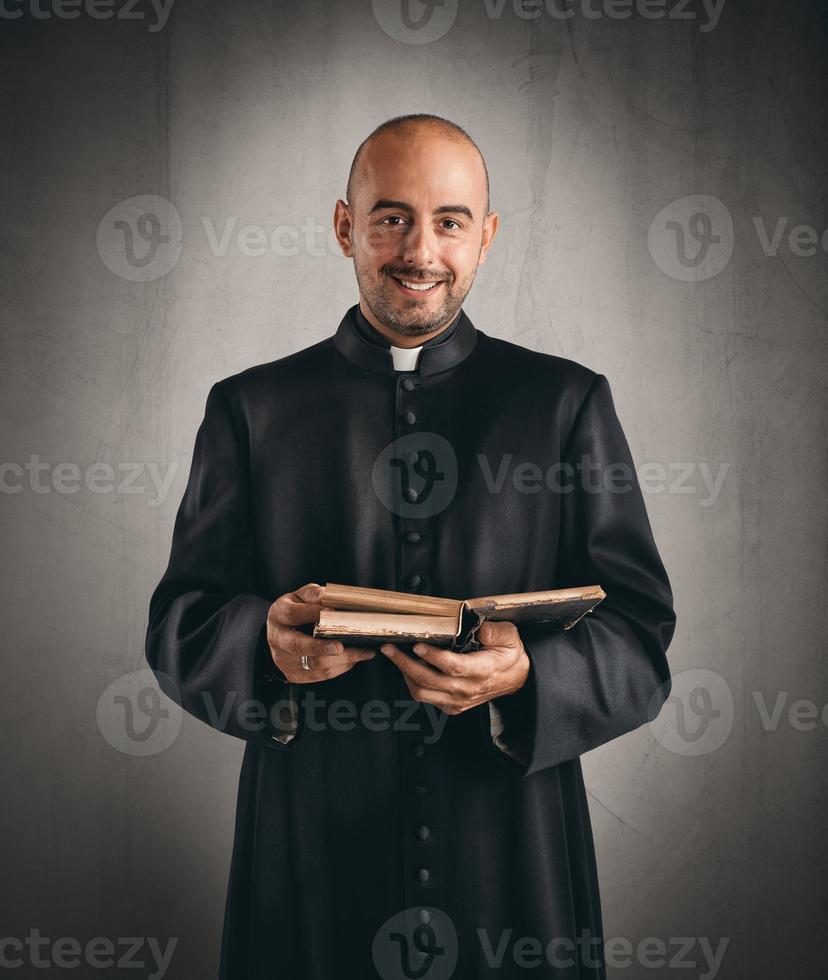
x,y
503,634
311,592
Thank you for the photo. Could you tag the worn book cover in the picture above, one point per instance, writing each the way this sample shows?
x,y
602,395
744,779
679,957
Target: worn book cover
x,y
361,616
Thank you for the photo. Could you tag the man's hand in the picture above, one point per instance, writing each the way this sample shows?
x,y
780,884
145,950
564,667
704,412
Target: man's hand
x,y
456,682
288,645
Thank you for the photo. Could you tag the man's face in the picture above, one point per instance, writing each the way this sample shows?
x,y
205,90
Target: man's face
x,y
416,228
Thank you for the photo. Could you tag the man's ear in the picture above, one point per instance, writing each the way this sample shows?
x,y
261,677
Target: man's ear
x,y
343,228
490,223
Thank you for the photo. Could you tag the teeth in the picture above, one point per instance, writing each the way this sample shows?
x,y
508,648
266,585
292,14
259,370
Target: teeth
x,y
419,286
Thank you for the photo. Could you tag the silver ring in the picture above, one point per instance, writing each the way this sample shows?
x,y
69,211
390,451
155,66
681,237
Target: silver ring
x,y
305,663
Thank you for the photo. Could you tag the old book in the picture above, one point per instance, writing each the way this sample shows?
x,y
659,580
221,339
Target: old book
x,y
367,617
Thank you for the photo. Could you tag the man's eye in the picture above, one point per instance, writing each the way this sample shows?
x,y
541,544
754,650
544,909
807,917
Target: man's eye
x,y
392,220
454,225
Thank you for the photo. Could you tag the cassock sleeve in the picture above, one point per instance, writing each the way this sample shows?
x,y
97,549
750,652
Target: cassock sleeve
x,y
608,674
206,639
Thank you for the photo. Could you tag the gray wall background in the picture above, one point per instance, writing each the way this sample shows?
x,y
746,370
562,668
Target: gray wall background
x,y
591,126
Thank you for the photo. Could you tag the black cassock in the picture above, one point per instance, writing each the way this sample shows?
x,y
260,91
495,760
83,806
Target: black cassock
x,y
387,840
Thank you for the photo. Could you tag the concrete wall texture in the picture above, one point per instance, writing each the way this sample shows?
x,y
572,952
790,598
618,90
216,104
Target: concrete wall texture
x,y
660,173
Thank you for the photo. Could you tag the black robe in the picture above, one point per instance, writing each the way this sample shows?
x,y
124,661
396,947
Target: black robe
x,y
379,806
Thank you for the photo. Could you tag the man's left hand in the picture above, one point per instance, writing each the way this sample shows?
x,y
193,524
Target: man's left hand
x,y
456,682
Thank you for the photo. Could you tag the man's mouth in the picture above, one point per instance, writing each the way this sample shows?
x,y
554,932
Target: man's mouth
x,y
418,287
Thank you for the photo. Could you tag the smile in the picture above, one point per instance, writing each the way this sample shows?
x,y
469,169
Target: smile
x,y
418,287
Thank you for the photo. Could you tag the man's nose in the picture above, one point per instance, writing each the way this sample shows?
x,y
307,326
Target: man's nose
x,y
419,246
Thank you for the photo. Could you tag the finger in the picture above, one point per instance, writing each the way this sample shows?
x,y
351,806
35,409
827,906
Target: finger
x,y
504,634
349,656
448,703
294,613
309,646
302,645
299,607
326,668
360,653
421,673
287,659
314,676
456,664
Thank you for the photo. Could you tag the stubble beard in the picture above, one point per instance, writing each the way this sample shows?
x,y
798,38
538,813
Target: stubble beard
x,y
413,319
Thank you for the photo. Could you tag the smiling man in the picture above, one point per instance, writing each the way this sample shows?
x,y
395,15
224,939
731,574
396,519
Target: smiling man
x,y
412,813
416,257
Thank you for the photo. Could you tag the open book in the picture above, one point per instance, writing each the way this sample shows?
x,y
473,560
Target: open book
x,y
364,617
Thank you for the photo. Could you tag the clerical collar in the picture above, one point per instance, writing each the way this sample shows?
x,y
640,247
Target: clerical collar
x,y
363,344
405,358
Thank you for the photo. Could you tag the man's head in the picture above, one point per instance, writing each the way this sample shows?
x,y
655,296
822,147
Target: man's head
x,y
416,223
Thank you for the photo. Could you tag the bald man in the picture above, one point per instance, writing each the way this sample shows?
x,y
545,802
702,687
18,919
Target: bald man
x,y
411,811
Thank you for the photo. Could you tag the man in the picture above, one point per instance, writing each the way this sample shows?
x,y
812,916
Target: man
x,y
412,813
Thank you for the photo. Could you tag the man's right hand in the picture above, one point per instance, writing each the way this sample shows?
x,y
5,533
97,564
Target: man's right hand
x,y
327,659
